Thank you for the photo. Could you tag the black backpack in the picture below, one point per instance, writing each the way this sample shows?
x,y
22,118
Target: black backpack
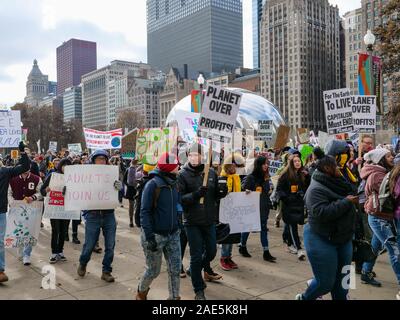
x,y
138,199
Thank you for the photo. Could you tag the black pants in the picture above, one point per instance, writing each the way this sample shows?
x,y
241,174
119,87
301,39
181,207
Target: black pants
x,y
184,242
58,230
131,209
291,235
75,224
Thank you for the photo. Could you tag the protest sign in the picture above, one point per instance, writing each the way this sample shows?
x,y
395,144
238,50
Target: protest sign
x,y
53,146
75,147
10,129
274,166
364,113
265,130
54,202
305,151
323,139
354,137
188,123
338,111
303,135
241,211
151,143
219,112
103,139
90,187
14,154
129,141
23,224
24,136
282,137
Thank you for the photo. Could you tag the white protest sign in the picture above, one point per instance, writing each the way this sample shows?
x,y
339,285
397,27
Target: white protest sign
x,y
23,224
10,129
103,139
53,146
241,211
323,139
364,114
219,112
274,166
188,123
265,130
338,111
54,202
75,147
90,187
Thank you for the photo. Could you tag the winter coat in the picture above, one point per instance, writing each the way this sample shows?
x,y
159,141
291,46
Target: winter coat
x,y
158,212
330,214
130,188
252,183
374,175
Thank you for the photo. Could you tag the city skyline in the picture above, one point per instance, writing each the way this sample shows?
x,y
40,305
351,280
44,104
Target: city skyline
x,y
37,28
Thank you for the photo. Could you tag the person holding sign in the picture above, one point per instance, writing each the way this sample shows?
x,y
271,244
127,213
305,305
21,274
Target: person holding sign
x,y
259,181
6,174
25,187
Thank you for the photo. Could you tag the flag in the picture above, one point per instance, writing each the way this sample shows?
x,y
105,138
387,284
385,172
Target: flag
x,y
196,101
365,87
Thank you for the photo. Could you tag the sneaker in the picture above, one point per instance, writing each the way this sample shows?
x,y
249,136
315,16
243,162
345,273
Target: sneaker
x,y
301,255
243,251
27,261
225,265
200,295
53,259
268,257
107,277
368,278
299,297
81,270
61,257
3,277
182,274
232,263
41,225
212,276
142,295
292,249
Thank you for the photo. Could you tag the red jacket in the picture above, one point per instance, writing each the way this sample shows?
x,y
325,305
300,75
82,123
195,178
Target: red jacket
x,y
21,188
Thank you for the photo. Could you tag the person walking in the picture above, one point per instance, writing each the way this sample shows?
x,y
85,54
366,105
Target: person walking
x,y
130,182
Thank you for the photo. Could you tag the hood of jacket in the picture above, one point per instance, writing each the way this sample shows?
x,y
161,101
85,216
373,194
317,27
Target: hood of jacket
x,y
369,169
335,147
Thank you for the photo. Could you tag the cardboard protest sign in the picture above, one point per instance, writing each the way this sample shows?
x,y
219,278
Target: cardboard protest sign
x,y
54,202
219,112
75,147
14,154
10,129
53,146
305,151
282,137
129,141
23,224
90,187
103,139
265,130
338,111
364,113
151,143
274,166
241,211
303,135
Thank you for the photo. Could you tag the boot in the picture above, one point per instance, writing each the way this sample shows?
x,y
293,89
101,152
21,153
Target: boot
x,y
66,237
267,256
3,277
243,251
81,270
107,277
142,295
368,278
212,276
75,239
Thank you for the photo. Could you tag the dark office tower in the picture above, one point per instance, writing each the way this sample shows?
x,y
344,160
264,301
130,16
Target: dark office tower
x,y
74,59
207,35
257,15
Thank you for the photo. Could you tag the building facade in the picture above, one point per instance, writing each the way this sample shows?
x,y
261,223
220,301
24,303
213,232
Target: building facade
x,y
53,87
72,104
300,58
207,35
258,6
74,59
37,86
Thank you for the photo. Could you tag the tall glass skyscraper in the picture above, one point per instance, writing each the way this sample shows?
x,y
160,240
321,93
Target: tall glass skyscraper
x,y
258,6
206,35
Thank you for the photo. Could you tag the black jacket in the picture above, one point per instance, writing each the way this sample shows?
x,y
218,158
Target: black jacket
x,y
6,174
250,182
189,182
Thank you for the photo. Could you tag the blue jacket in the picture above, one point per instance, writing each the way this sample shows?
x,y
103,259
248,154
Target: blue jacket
x,y
160,217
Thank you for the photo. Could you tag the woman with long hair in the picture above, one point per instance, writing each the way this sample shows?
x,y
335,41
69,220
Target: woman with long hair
x,y
292,185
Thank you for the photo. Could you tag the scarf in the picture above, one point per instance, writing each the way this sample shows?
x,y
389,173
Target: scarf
x,y
197,169
338,185
233,182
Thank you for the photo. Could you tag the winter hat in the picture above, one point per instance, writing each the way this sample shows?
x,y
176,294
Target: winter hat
x,y
167,162
195,147
376,155
336,147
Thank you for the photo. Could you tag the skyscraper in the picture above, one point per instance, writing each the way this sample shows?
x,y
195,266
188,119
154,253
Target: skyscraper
x,y
37,86
206,35
258,6
74,59
300,58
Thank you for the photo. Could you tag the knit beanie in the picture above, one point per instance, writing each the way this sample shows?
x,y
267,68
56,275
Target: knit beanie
x,y
167,162
376,155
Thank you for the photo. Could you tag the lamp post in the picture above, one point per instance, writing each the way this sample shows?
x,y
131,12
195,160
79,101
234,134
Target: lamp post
x,y
201,81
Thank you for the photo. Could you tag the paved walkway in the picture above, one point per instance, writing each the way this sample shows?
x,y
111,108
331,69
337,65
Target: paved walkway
x,y
255,279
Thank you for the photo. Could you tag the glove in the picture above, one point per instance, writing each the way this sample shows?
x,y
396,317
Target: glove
x,y
64,190
223,190
201,193
118,185
152,245
21,146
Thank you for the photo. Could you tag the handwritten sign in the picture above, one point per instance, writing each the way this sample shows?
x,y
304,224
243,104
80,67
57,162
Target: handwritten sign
x,y
338,111
241,211
90,187
103,139
23,224
10,129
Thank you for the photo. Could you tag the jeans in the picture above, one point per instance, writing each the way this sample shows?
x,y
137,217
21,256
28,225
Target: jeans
x,y
291,235
226,250
384,232
203,248
26,251
263,234
58,230
94,222
171,248
327,261
3,225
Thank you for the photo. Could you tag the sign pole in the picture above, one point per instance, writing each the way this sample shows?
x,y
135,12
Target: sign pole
x,y
207,170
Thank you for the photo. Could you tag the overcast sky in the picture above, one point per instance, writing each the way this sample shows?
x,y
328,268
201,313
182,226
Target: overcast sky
x,y
33,29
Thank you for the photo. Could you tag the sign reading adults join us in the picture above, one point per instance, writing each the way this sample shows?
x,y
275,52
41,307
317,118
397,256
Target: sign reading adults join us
x,y
10,129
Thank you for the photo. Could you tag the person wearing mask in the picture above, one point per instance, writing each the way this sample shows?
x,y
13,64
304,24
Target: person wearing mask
x,y
328,235
199,217
58,226
6,174
25,187
160,227
378,163
97,220
292,186
259,181
130,182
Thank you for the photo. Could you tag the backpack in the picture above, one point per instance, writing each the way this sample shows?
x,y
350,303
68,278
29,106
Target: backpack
x,y
385,198
131,179
138,199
